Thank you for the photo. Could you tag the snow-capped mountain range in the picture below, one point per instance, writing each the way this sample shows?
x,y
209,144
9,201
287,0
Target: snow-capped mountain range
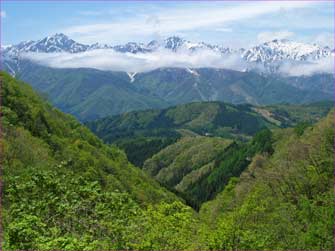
x,y
278,50
50,44
268,54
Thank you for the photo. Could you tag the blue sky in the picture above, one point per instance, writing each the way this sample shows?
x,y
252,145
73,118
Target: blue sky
x,y
236,24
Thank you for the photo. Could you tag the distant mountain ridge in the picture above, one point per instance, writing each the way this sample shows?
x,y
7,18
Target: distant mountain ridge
x,y
62,43
268,54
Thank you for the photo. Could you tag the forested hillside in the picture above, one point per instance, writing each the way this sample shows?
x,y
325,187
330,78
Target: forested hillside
x,y
66,190
280,202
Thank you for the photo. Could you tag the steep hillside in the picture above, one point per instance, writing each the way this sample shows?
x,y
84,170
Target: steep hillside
x,y
280,202
68,141
181,165
65,189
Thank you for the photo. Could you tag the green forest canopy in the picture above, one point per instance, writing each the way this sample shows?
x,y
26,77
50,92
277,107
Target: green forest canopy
x,y
66,190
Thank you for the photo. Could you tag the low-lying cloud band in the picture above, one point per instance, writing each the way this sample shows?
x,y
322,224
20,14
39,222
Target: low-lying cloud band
x,y
110,60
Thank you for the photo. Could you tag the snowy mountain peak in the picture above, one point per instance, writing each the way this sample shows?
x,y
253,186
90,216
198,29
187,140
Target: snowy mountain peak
x,y
283,40
58,37
55,43
154,44
278,50
173,42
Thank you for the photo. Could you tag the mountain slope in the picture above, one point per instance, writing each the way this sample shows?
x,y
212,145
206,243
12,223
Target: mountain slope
x,y
177,85
181,164
91,94
176,145
87,93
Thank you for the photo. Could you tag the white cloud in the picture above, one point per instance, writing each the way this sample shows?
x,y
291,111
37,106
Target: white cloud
x,y
110,60
3,14
269,36
167,22
324,65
